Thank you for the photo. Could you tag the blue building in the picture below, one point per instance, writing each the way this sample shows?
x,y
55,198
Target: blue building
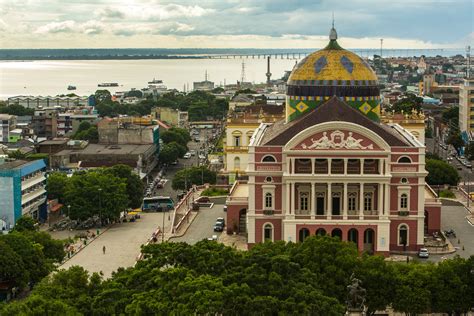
x,y
22,191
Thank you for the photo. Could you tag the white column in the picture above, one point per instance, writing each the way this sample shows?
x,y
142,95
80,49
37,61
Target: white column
x,y
329,165
329,200
380,166
362,166
313,200
287,197
345,199
361,200
386,210
345,166
312,166
379,199
292,206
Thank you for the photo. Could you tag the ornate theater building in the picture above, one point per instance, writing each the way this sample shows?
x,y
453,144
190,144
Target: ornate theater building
x,y
330,167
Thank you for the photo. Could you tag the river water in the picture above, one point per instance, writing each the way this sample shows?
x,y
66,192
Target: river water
x,y
52,77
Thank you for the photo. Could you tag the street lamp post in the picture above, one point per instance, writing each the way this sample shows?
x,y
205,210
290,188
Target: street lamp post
x,y
100,207
68,210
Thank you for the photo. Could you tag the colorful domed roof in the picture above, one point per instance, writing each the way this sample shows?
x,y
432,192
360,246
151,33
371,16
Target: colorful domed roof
x,y
332,71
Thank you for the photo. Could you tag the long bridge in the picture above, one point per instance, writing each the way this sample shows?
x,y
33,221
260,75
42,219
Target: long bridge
x,y
296,55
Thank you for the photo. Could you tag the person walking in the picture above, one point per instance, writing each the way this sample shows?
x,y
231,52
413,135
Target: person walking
x,y
103,250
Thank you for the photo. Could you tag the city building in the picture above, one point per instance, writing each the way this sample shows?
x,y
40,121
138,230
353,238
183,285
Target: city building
x,y
38,102
331,167
240,127
205,85
118,132
22,191
68,123
466,106
7,124
45,122
171,116
413,122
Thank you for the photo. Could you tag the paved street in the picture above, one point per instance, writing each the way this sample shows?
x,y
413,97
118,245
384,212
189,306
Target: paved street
x,y
122,243
453,217
202,226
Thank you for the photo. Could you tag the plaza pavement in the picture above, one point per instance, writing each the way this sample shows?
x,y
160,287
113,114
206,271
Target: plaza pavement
x,y
122,242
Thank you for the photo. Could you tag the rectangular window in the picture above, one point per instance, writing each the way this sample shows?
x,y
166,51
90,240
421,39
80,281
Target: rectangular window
x,y
304,202
351,203
236,141
368,202
268,200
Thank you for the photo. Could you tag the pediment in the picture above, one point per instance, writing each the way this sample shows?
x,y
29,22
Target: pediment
x,y
337,139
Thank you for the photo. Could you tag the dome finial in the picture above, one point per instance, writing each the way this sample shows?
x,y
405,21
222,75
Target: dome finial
x,y
333,33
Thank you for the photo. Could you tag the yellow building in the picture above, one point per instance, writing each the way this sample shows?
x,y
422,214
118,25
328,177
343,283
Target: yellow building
x,y
239,131
466,106
171,116
413,122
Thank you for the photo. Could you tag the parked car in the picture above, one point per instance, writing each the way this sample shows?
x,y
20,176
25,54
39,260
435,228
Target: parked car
x,y
225,208
220,220
218,227
423,253
203,199
192,152
450,233
201,156
213,237
187,155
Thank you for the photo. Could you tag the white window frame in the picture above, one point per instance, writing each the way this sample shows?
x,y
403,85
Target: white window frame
x,y
408,234
274,158
268,188
240,160
263,232
352,201
404,202
369,195
304,196
268,201
237,140
403,190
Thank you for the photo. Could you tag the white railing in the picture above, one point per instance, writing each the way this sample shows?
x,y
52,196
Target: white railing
x,y
28,183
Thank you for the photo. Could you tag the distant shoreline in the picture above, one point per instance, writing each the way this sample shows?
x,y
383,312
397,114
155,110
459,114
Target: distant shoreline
x,y
36,58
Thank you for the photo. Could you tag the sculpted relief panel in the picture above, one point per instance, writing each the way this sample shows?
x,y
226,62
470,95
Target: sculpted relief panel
x,y
337,139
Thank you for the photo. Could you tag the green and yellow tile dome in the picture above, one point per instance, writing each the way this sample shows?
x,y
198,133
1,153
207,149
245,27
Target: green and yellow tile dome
x,y
332,71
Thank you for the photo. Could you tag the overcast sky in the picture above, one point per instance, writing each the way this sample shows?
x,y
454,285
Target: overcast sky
x,y
234,23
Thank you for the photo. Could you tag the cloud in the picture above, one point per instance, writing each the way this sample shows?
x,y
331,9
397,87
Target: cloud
x,y
57,27
110,13
159,28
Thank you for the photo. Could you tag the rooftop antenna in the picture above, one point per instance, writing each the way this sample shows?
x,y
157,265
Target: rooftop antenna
x,y
333,33
468,56
242,74
381,45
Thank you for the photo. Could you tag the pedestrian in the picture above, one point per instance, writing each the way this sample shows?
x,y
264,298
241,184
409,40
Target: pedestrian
x,y
103,250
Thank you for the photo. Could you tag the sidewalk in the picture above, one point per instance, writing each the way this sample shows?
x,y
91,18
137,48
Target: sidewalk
x,y
461,198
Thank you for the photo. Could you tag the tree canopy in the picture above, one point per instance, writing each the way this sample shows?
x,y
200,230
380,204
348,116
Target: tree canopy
x,y
408,104
193,175
16,109
308,278
440,172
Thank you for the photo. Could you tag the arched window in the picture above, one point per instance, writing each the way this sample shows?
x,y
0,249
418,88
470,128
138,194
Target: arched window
x,y
403,235
268,158
404,201
236,163
304,233
321,232
268,232
268,200
404,160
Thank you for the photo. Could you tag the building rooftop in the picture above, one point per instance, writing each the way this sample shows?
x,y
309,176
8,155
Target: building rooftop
x,y
13,164
98,149
55,141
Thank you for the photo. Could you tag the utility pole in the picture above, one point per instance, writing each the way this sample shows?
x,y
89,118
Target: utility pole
x,y
268,74
100,207
381,45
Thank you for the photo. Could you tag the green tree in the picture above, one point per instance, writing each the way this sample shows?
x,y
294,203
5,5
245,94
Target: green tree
x,y
440,172
412,295
38,305
17,154
134,186
102,96
183,132
25,223
95,193
16,109
56,185
31,254
91,134
53,249
168,154
12,269
455,139
193,175
180,148
172,136
84,126
408,104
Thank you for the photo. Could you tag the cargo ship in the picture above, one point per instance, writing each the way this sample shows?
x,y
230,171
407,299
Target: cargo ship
x,y
108,84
